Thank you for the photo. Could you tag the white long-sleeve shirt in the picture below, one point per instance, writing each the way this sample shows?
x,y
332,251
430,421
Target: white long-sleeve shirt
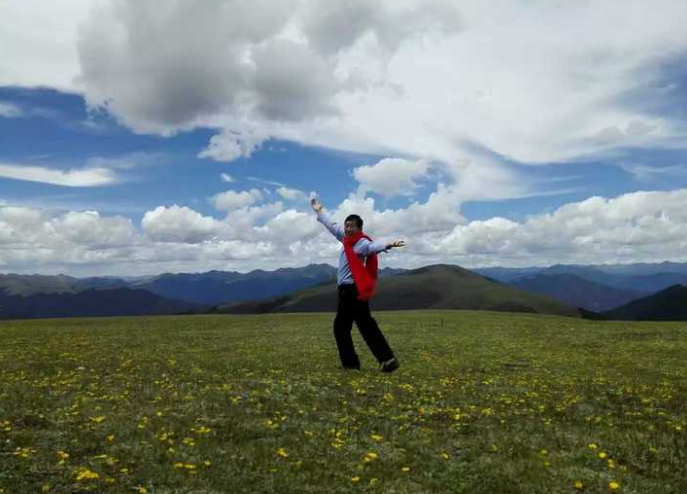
x,y
362,249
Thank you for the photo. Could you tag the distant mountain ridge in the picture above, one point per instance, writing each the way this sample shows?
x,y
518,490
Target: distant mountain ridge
x,y
595,288
577,291
91,303
216,287
641,277
431,287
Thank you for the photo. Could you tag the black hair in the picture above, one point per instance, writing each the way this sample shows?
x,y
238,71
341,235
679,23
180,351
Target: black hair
x,y
354,217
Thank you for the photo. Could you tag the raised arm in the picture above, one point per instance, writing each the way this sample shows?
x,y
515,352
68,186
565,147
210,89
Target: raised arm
x,y
323,218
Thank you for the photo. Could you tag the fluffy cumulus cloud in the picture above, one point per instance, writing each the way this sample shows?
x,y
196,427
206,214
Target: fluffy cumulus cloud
x,y
291,194
636,227
641,226
391,177
32,239
178,224
231,145
92,229
232,199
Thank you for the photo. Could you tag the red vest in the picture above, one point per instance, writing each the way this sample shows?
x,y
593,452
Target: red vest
x,y
364,275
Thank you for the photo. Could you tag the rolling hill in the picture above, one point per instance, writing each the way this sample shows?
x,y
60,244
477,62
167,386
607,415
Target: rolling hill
x,y
667,305
432,287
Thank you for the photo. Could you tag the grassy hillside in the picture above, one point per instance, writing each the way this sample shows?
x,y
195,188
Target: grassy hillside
x,y
483,403
25,285
432,287
667,305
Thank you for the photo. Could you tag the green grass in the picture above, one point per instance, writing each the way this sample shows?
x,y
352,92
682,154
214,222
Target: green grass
x,y
487,403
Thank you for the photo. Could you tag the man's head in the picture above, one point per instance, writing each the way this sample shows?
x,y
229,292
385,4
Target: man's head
x,y
353,224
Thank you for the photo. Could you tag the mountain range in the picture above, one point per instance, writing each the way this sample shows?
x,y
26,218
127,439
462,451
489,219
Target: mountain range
x,y
597,289
432,287
574,290
636,277
91,303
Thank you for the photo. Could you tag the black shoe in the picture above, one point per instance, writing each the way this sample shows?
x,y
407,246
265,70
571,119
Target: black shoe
x,y
389,365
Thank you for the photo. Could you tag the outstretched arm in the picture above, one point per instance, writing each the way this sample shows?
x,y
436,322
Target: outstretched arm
x,y
323,218
396,243
364,247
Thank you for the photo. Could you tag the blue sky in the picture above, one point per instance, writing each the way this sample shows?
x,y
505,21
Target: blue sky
x,y
194,142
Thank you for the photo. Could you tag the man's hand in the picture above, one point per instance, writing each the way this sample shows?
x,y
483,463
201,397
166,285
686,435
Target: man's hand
x,y
397,243
316,205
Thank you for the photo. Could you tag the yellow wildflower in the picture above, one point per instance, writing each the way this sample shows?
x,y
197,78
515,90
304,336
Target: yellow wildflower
x,y
63,456
86,474
282,452
371,456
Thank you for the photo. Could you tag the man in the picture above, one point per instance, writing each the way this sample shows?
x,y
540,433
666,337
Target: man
x,y
356,280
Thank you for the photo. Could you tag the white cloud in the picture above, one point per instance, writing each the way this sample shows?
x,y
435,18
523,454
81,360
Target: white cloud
x,y
647,173
267,182
424,80
389,23
226,178
440,213
232,199
391,176
178,224
230,146
38,43
90,228
289,226
428,80
291,194
85,177
125,162
10,110
636,227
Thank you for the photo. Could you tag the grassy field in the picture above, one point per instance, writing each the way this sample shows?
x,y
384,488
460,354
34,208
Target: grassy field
x,y
483,403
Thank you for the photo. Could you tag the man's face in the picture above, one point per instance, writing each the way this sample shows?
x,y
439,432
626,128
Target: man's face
x,y
351,228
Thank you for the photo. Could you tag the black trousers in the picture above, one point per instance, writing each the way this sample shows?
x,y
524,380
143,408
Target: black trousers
x,y
349,310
